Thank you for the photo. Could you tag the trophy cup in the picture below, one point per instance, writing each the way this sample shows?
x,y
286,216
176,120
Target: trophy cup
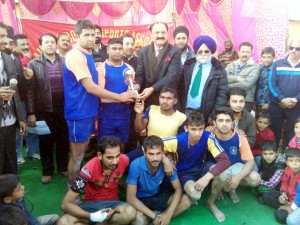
x,y
128,74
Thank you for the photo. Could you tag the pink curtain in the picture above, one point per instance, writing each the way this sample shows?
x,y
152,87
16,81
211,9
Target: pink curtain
x,y
77,10
179,5
154,7
191,21
195,5
115,9
39,7
243,22
9,19
216,18
215,2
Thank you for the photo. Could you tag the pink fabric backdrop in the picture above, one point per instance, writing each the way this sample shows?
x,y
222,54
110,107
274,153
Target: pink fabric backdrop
x,y
7,14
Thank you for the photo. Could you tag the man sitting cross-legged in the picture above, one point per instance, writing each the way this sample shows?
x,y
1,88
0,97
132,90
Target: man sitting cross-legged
x,y
99,179
191,148
143,187
241,158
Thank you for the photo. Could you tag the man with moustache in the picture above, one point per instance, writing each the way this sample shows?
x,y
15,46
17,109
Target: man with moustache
x,y
181,39
284,84
99,51
44,101
10,111
244,73
228,55
63,44
128,51
204,80
22,48
158,64
143,187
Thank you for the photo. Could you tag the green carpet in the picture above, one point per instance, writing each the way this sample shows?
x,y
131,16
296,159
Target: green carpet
x,y
46,199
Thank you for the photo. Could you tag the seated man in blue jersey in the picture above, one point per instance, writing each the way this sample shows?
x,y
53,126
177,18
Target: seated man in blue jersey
x,y
191,147
143,187
161,120
242,161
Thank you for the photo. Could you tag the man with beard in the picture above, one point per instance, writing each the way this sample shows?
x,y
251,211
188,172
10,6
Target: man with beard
x,y
244,73
128,51
229,55
99,179
145,175
284,84
10,111
44,101
22,48
63,44
181,39
158,64
205,85
99,51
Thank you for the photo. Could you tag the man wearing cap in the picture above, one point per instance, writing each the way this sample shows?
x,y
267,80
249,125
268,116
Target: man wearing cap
x,y
229,54
204,74
181,39
158,64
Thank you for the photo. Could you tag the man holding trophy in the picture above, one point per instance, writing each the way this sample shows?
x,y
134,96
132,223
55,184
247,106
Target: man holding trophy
x,y
115,76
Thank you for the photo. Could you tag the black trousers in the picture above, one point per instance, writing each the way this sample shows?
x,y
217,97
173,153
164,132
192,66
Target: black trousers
x,y
58,138
8,156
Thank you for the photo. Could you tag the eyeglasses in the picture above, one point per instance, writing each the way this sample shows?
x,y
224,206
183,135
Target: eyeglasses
x,y
296,48
201,52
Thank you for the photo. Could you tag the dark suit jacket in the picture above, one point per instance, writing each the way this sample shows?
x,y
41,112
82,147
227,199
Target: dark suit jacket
x,y
215,92
166,73
11,73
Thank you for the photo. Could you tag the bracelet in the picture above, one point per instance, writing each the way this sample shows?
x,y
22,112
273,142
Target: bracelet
x,y
156,215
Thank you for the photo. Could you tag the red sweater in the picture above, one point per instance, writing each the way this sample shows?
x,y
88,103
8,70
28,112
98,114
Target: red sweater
x,y
289,183
265,135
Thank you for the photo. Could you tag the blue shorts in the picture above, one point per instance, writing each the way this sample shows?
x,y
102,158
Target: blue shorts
x,y
80,130
119,128
194,174
94,206
158,202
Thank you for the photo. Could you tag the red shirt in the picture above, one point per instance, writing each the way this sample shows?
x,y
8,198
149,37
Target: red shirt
x,y
289,183
98,186
265,135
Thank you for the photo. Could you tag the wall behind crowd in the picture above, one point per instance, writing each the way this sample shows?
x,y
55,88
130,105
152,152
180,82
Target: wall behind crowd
x,y
263,23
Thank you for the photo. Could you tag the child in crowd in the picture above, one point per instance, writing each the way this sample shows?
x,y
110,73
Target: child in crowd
x,y
285,197
13,216
295,142
11,195
294,216
262,96
271,167
263,133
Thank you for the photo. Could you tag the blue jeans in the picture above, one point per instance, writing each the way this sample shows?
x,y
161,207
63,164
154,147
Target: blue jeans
x,y
294,217
32,140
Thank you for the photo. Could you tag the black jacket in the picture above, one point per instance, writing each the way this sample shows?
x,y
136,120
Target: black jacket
x,y
215,93
39,97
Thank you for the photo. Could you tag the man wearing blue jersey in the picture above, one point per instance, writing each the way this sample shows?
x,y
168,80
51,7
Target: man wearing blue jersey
x,y
190,149
81,93
284,84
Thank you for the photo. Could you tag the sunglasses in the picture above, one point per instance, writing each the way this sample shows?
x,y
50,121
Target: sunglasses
x,y
296,48
201,52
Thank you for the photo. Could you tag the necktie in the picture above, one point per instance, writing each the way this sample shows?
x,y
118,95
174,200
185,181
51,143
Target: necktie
x,y
196,83
157,51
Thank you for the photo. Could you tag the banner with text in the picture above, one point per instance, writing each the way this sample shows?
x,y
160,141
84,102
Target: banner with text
x,y
35,28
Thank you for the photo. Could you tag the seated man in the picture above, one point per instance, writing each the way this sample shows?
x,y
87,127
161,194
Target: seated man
x,y
239,153
191,148
143,186
99,179
157,118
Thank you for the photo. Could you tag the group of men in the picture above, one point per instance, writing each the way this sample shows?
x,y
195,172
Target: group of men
x,y
180,88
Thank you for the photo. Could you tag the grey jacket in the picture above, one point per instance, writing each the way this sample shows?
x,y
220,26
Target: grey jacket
x,y
250,72
247,124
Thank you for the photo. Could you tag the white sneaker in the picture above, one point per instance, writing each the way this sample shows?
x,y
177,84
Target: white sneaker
x,y
21,161
34,156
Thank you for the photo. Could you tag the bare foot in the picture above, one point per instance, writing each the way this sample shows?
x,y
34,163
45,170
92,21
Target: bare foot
x,y
233,196
216,212
220,196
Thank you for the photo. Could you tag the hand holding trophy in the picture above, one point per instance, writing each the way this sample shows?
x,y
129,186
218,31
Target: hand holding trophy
x,y
129,79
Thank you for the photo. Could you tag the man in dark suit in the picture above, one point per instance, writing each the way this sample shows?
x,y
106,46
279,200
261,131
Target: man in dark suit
x,y
204,79
158,64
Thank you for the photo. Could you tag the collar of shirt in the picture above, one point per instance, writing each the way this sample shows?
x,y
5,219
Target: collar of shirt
x,y
45,58
156,50
129,57
293,65
112,64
